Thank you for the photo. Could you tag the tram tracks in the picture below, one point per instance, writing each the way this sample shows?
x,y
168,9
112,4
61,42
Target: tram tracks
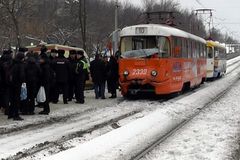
x,y
186,121
178,127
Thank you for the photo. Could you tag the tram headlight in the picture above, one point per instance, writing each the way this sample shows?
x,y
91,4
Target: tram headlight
x,y
154,73
125,73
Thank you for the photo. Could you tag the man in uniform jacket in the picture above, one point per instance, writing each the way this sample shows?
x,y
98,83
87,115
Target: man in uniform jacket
x,y
71,80
79,78
61,68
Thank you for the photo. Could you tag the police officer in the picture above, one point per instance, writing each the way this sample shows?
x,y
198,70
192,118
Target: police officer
x,y
61,68
86,68
79,77
72,64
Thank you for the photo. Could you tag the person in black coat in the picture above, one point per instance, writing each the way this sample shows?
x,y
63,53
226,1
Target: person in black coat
x,y
32,71
5,74
45,81
98,73
18,77
52,57
61,68
112,76
79,78
71,80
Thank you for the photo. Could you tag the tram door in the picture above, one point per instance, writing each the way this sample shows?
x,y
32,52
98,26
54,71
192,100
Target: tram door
x,y
210,62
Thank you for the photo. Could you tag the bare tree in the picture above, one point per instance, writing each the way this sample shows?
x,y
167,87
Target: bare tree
x,y
15,9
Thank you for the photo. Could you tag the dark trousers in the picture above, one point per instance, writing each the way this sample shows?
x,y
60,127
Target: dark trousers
x,y
5,98
79,89
52,92
71,88
45,104
61,86
99,89
112,87
15,101
31,95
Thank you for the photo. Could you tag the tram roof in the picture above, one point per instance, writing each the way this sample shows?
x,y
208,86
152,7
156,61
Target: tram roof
x,y
158,30
215,44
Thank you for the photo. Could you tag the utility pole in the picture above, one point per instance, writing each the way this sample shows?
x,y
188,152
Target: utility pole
x,y
116,15
209,13
115,35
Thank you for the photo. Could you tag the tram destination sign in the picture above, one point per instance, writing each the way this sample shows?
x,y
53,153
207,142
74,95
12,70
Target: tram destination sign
x,y
141,30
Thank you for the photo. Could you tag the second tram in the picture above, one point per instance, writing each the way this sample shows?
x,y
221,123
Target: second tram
x,y
216,60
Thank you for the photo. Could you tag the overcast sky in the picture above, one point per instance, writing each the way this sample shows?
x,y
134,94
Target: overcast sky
x,y
226,12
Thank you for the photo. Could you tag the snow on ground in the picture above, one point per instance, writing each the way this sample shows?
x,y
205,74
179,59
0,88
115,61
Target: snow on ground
x,y
63,122
61,114
213,135
58,112
125,142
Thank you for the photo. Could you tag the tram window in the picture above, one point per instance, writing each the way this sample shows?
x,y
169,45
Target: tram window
x,y
198,50
164,47
142,47
126,44
184,49
216,52
204,51
189,49
210,52
193,49
138,44
177,50
222,54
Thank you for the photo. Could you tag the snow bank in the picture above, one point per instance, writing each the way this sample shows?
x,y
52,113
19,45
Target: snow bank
x,y
127,141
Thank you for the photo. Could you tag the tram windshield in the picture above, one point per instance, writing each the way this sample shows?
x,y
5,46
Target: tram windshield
x,y
145,46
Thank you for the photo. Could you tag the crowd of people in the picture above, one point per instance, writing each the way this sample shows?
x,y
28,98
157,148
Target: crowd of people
x,y
56,74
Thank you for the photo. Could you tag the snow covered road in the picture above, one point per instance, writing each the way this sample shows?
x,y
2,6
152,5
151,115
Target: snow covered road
x,y
128,141
38,136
